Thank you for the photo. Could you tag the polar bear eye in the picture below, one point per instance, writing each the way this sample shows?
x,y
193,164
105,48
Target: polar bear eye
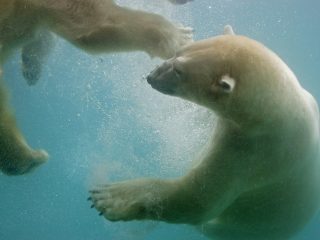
x,y
225,86
177,70
178,66
227,83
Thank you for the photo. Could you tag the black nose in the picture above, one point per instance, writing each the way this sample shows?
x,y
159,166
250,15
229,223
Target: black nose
x,y
149,78
154,74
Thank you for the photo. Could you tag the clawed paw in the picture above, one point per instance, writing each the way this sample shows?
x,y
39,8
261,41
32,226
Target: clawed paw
x,y
112,203
169,39
180,37
124,201
31,71
186,35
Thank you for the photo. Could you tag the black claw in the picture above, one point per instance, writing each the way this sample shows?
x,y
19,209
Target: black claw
x,y
92,206
89,198
101,213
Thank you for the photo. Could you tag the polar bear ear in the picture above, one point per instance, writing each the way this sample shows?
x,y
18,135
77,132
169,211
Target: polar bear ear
x,y
227,84
228,30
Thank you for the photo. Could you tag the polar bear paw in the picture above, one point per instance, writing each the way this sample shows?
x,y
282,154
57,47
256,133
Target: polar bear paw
x,y
38,157
31,69
127,200
34,54
185,35
18,165
167,38
176,38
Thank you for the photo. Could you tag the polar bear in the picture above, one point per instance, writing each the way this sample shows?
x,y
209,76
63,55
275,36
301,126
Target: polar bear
x,y
258,177
96,26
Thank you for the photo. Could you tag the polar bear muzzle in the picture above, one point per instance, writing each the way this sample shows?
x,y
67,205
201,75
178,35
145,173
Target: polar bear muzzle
x,y
166,78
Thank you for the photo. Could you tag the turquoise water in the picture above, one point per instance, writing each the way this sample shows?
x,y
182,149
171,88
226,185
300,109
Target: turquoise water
x,y
100,121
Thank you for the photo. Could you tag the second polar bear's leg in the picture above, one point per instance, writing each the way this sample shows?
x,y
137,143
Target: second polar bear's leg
x,y
103,26
16,157
34,54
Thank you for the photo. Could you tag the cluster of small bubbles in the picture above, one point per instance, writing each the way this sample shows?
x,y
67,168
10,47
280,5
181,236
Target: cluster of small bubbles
x,y
141,131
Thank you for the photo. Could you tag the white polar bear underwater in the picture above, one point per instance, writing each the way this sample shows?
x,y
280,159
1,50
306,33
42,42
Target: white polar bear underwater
x,y
259,175
93,25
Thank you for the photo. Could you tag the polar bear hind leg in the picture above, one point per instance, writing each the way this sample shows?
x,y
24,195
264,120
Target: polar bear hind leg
x,y
16,157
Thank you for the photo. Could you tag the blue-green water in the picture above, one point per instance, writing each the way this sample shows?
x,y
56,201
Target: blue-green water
x,y
100,121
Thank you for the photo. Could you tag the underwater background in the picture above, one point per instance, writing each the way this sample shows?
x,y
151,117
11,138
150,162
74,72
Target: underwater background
x,y
101,122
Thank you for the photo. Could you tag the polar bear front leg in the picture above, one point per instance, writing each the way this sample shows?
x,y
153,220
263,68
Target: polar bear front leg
x,y
199,196
107,27
132,30
135,199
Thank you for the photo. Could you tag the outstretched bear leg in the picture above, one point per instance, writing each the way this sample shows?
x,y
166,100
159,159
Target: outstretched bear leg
x,y
16,157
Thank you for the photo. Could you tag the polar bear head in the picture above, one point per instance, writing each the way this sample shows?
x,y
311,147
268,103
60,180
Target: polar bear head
x,y
233,75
